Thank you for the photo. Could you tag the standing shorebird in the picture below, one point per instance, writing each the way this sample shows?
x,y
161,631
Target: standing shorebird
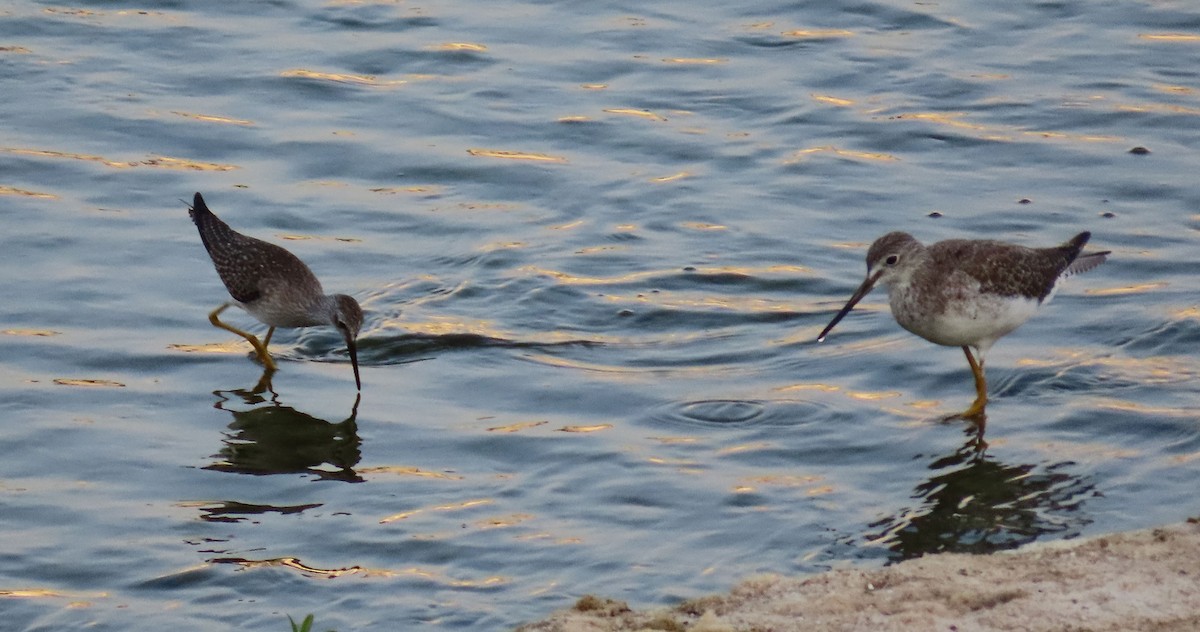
x,y
967,293
273,285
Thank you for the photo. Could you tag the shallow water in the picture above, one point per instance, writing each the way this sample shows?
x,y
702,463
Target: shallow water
x,y
595,243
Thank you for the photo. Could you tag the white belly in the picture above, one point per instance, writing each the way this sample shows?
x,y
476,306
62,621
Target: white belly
x,y
976,320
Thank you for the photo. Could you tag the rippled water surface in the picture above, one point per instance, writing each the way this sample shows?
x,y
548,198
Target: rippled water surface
x,y
595,242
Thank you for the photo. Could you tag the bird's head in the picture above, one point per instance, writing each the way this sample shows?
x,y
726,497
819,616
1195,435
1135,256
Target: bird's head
x,y
886,261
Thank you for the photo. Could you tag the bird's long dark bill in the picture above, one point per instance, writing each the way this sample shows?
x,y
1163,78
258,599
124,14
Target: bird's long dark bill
x,y
858,295
352,348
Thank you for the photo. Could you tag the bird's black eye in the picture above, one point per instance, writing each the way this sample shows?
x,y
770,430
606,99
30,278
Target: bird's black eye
x,y
891,260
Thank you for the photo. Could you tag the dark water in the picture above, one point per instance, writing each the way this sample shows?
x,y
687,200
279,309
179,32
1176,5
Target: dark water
x,y
595,242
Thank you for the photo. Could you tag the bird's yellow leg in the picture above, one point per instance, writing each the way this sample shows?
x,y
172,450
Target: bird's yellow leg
x,y
259,348
267,340
976,409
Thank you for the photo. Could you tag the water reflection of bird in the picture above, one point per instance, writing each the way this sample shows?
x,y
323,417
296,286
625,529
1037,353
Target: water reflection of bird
x,y
967,293
974,503
273,285
278,439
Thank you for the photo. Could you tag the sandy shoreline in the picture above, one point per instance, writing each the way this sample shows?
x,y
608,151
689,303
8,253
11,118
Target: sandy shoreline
x,y
1138,581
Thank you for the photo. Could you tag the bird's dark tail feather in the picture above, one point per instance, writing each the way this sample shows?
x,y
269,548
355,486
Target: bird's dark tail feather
x,y
198,208
1082,262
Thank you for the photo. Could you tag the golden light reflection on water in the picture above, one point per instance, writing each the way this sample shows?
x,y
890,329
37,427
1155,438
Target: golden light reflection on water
x,y
500,522
802,154
1173,89
35,593
999,133
704,302
343,78
696,60
78,600
296,564
673,177
6,190
446,325
1148,370
168,162
747,447
1180,459
592,250
212,118
467,504
460,46
825,388
1150,411
817,33
517,427
293,237
507,154
217,347
1158,107
586,429
328,184
94,383
1170,37
162,162
685,464
69,11
747,484
703,226
567,278
1128,289
1189,313
529,537
871,396
568,226
675,440
422,189
404,470
832,100
31,332
646,114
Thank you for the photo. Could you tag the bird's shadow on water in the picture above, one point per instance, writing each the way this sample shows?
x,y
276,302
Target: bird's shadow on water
x,y
973,502
268,437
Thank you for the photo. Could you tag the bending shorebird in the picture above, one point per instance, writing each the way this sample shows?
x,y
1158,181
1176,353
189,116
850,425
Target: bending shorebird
x,y
273,285
967,293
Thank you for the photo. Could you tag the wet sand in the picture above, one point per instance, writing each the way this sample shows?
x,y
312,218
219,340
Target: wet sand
x,y
1142,580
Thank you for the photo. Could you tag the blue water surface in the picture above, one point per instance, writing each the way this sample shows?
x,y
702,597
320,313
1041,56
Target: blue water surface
x,y
595,243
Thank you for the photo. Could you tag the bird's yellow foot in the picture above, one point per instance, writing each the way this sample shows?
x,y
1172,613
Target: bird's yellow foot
x,y
976,410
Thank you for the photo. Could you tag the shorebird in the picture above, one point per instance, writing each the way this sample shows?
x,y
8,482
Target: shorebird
x,y
273,286
967,293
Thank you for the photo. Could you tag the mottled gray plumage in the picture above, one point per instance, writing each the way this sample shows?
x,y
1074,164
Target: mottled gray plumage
x,y
966,293
1000,268
272,284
